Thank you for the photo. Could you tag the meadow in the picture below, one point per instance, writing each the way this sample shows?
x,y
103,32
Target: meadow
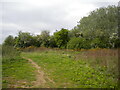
x,y
93,68
16,71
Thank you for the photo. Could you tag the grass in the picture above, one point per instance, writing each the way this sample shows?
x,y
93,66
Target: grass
x,y
16,72
102,57
94,68
69,70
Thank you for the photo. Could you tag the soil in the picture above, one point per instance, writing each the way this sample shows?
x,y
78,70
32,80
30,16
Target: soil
x,y
41,78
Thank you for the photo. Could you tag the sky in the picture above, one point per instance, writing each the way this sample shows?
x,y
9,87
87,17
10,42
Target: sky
x,y
35,16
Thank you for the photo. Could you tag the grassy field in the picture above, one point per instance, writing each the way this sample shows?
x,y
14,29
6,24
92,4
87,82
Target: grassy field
x,y
18,74
95,68
55,68
16,71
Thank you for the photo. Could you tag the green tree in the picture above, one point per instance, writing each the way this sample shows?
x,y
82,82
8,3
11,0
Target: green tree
x,y
45,35
78,43
9,41
37,41
52,42
100,24
61,38
114,40
24,39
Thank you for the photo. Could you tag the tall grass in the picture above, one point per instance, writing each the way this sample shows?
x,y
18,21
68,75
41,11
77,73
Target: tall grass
x,y
9,54
34,49
103,57
16,71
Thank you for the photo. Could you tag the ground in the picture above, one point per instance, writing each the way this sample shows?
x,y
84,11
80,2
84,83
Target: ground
x,y
62,69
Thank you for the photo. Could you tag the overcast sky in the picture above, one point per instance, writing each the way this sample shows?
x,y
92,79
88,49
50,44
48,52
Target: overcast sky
x,y
36,15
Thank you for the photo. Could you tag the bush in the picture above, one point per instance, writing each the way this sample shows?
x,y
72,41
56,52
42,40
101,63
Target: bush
x,y
29,49
9,53
76,43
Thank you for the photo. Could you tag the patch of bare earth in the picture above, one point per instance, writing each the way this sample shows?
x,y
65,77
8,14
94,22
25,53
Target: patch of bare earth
x,y
13,83
41,78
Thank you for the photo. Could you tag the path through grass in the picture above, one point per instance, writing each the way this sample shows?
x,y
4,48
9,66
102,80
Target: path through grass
x,y
18,73
41,79
67,72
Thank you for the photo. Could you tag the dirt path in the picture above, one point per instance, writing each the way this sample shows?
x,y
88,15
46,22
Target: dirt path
x,y
41,79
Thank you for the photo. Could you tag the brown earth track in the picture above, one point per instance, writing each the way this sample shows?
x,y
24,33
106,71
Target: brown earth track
x,y
41,78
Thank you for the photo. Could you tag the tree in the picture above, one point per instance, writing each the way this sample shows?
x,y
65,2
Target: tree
x,y
78,43
61,38
37,41
24,39
100,24
73,32
52,42
9,41
114,40
45,35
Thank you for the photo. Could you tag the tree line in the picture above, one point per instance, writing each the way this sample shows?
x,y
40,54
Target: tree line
x,y
98,30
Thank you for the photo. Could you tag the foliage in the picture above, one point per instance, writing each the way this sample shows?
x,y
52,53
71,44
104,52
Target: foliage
x,y
37,41
114,40
9,53
100,24
45,38
24,39
61,38
75,43
9,41
97,43
52,42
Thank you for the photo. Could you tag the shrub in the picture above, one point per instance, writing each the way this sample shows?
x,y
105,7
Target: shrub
x,y
9,53
29,49
78,43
